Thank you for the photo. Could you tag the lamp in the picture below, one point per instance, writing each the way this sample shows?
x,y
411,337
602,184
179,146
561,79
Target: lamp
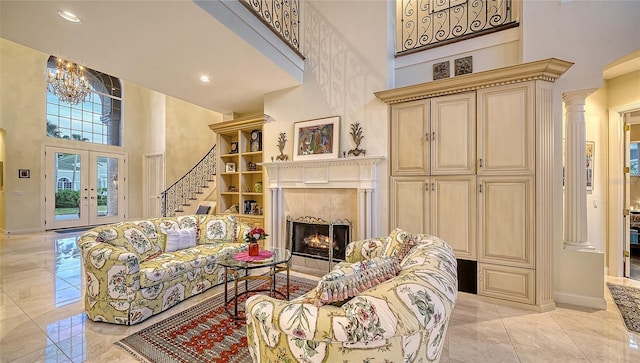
x,y
68,82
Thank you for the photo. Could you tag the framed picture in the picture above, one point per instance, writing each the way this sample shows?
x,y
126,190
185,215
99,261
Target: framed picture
x,y
24,173
230,167
591,149
316,139
234,148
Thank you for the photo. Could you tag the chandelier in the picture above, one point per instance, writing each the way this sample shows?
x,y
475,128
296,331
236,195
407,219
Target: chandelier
x,y
68,82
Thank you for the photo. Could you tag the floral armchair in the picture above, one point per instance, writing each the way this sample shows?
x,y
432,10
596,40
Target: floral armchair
x,y
401,319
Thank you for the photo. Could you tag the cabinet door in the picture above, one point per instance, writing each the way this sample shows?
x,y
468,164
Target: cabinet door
x,y
506,220
506,121
410,138
410,204
453,213
453,134
509,283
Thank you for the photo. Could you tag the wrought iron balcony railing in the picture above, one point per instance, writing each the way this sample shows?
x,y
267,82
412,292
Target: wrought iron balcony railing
x,y
424,24
192,183
281,15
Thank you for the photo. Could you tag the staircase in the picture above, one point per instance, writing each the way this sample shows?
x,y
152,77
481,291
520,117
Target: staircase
x,y
196,187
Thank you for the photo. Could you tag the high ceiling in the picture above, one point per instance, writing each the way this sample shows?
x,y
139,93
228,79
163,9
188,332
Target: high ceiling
x,y
162,45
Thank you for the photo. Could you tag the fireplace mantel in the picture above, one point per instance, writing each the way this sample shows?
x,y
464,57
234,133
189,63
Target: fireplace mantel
x,y
344,173
355,172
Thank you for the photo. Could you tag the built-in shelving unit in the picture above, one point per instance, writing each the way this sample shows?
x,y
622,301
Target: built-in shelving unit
x,y
240,175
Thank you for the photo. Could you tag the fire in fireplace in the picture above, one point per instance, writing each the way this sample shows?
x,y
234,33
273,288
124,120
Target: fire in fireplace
x,y
316,238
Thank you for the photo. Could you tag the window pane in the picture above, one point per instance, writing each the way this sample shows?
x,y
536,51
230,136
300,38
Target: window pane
x,y
85,120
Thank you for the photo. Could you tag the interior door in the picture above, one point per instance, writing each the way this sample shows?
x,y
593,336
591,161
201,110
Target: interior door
x,y
83,188
627,199
154,184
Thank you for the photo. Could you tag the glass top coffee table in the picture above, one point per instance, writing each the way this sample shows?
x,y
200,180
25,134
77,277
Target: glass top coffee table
x,y
240,271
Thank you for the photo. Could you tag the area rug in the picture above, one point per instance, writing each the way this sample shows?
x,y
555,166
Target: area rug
x,y
628,301
204,332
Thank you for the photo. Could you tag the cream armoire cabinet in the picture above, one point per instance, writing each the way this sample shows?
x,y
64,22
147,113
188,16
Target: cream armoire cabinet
x,y
433,167
472,163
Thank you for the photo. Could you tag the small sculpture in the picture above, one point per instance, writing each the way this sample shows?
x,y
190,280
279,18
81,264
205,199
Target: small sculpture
x,y
356,135
282,140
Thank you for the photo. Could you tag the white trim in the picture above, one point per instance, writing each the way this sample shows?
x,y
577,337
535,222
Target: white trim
x,y
345,173
579,300
615,189
23,231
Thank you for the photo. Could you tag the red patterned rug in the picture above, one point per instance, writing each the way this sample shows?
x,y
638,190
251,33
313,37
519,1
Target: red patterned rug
x,y
205,332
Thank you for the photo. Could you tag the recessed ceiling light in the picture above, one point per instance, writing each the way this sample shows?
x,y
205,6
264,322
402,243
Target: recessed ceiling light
x,y
205,79
68,16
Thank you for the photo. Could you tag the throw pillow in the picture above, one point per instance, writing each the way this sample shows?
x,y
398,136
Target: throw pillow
x,y
172,241
399,243
345,282
187,238
179,239
215,229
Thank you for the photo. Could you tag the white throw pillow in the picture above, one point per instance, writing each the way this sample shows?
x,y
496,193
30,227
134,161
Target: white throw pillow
x,y
173,240
187,238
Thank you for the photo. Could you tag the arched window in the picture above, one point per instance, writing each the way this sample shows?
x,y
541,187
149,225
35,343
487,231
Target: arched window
x,y
64,183
97,119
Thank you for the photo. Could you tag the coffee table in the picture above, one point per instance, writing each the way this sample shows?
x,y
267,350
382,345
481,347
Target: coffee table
x,y
240,271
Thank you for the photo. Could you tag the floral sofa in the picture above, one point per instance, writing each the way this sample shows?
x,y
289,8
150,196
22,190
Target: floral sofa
x,y
131,274
402,319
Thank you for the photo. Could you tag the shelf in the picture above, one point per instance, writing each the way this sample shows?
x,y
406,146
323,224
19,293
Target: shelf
x,y
239,131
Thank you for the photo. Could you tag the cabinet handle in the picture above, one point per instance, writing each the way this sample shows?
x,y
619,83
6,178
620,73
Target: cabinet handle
x,y
433,136
426,186
481,163
480,186
433,186
426,136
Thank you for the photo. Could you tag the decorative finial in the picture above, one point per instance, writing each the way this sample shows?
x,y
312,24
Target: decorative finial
x,y
356,135
282,140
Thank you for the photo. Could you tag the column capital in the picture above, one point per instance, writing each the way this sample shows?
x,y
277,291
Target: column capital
x,y
577,96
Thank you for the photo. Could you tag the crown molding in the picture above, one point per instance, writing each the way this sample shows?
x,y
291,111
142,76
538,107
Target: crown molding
x,y
546,70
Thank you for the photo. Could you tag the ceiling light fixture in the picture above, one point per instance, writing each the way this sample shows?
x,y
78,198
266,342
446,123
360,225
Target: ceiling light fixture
x,y
205,79
68,16
68,82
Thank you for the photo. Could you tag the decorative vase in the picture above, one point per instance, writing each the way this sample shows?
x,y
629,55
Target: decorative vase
x,y
254,248
257,187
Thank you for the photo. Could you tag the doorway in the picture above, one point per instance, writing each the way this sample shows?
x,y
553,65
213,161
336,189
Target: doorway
x,y
632,195
83,188
154,185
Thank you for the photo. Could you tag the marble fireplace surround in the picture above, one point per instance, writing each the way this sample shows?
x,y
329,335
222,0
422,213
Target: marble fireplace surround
x,y
341,178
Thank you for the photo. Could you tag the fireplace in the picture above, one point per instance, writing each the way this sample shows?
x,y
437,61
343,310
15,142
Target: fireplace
x,y
318,239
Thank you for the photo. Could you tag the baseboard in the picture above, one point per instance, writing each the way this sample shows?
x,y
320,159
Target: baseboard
x,y
22,231
580,300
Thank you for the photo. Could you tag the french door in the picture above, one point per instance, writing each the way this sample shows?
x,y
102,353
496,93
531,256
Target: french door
x,y
83,188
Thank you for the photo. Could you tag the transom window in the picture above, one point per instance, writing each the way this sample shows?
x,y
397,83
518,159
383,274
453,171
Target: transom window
x,y
97,119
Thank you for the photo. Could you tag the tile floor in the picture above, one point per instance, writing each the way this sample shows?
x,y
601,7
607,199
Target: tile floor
x,y
42,320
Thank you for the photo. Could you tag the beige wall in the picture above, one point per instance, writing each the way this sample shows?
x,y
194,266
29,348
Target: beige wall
x,y
623,90
22,116
22,90
188,136
345,65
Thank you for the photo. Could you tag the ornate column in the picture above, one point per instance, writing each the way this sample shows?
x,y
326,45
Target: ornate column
x,y
575,194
